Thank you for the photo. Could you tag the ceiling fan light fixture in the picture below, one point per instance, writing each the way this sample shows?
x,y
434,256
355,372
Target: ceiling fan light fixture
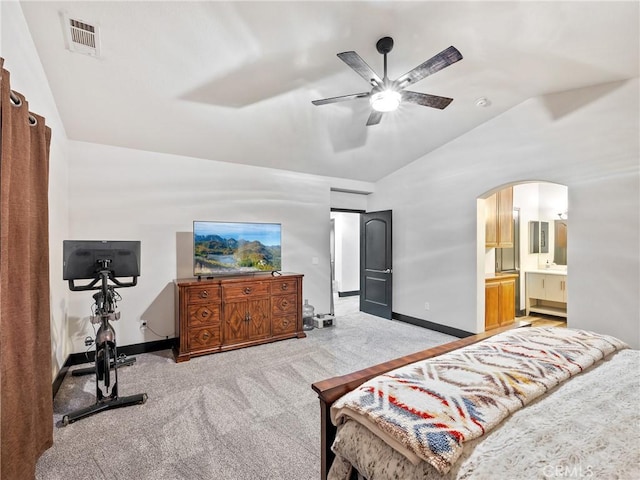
x,y
386,95
386,101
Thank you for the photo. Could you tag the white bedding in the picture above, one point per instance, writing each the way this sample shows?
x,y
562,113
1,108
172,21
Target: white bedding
x,y
588,427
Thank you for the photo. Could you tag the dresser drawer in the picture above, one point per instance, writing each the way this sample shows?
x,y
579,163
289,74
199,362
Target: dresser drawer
x,y
283,324
283,304
283,287
202,315
203,294
203,338
245,290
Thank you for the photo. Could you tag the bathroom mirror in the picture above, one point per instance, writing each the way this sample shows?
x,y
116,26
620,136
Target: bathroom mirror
x,y
538,237
544,237
560,242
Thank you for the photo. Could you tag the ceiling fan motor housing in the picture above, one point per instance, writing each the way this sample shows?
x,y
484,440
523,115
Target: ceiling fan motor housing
x,y
384,45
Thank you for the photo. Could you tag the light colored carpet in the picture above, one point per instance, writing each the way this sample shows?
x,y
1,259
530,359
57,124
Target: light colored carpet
x,y
243,414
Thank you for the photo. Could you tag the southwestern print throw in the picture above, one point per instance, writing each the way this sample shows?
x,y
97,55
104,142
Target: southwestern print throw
x,y
426,410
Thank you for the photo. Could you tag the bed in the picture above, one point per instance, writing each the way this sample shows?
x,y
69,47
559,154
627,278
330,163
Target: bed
x,y
520,403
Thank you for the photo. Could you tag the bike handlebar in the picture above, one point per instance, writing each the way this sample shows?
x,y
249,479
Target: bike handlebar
x,y
92,285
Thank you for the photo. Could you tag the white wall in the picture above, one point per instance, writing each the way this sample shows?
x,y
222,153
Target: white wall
x,y
28,78
123,194
349,201
586,139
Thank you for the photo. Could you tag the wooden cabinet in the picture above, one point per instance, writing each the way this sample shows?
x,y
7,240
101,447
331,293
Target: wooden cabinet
x,y
546,293
234,312
246,312
500,301
499,219
491,305
246,320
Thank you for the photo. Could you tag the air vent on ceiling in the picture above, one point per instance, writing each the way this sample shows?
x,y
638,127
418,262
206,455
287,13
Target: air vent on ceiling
x,y
81,37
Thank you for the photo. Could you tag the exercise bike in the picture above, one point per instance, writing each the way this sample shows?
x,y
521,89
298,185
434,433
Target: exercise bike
x,y
106,356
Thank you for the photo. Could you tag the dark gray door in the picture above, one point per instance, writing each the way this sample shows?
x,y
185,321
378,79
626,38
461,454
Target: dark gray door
x,y
375,263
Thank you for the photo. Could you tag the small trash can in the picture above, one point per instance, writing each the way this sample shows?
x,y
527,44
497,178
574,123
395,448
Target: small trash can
x,y
307,316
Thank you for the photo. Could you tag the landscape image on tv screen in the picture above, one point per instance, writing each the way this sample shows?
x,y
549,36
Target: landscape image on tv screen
x,y
232,247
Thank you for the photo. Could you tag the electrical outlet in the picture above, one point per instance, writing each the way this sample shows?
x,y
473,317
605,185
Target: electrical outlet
x,y
427,306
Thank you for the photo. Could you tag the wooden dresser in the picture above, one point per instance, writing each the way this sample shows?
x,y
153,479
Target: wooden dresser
x,y
231,312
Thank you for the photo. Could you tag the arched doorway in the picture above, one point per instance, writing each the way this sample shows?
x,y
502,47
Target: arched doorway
x,y
531,264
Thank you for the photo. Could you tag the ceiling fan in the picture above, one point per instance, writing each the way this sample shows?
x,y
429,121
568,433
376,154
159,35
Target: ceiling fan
x,y
387,95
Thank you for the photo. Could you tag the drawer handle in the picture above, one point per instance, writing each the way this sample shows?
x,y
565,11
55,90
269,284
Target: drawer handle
x,y
285,303
204,294
284,286
205,314
247,290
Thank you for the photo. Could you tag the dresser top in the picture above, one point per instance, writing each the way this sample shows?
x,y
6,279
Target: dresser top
x,y
247,277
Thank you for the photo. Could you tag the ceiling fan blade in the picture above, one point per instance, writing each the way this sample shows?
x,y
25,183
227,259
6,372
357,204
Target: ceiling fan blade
x,y
374,118
356,62
342,98
431,66
426,99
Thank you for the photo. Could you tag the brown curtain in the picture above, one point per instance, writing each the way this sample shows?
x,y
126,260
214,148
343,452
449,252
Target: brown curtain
x,y
26,403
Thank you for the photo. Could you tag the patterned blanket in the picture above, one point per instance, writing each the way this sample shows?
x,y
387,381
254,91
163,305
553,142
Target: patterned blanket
x,y
426,410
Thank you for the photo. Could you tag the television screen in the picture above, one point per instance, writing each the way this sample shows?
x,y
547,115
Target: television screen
x,y
232,247
81,258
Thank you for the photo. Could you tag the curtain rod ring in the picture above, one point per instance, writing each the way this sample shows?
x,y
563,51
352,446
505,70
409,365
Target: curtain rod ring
x,y
15,99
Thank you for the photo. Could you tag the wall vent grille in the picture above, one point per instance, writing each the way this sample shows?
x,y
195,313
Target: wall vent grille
x,y
83,33
81,36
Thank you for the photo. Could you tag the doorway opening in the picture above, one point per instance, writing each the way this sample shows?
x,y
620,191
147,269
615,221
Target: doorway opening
x,y
345,252
361,259
345,260
522,253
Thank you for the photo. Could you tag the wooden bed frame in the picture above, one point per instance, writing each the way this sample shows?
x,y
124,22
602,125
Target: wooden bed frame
x,y
332,389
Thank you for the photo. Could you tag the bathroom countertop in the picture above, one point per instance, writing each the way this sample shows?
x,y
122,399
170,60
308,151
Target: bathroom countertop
x,y
552,271
491,276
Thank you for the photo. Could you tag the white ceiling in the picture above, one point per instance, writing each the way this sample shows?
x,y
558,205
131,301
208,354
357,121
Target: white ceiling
x,y
233,81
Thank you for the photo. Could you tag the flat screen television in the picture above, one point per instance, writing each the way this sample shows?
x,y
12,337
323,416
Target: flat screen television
x,y
80,258
225,248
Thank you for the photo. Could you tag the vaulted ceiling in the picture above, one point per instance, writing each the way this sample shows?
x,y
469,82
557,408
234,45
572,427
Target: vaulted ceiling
x,y
234,81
